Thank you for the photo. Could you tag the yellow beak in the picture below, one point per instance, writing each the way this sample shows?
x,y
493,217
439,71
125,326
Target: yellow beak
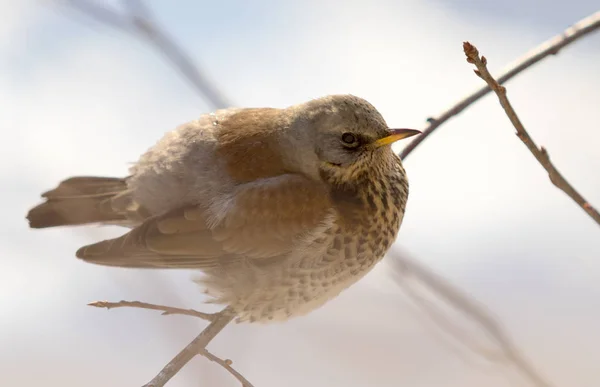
x,y
397,134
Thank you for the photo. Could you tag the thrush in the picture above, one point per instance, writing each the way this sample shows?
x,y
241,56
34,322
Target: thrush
x,y
280,209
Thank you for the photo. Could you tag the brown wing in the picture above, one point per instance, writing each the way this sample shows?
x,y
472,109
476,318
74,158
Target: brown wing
x,y
262,219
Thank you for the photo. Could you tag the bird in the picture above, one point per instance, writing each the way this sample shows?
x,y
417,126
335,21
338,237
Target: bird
x,y
279,209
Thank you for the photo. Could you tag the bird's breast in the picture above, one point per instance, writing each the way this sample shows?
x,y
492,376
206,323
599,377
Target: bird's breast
x,y
372,210
353,239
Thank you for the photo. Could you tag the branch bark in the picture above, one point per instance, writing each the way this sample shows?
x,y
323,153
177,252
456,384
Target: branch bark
x,y
227,365
539,153
550,47
166,310
195,347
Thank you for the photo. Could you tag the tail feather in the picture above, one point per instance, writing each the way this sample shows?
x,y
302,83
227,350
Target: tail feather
x,y
82,186
80,200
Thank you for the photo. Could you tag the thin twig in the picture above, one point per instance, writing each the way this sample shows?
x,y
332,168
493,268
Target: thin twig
x,y
195,347
539,153
550,47
166,310
404,267
227,365
140,22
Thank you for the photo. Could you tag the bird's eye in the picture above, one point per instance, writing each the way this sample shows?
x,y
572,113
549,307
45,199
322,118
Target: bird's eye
x,y
350,140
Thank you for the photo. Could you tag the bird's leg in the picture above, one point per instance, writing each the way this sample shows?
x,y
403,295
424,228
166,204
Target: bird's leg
x,y
144,305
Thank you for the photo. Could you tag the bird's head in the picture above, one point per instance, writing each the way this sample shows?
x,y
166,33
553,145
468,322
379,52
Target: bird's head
x,y
348,135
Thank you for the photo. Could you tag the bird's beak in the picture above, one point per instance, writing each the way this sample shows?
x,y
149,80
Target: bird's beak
x,y
397,134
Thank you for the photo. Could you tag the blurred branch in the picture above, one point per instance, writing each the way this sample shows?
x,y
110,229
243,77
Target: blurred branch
x,y
166,310
139,21
405,267
549,47
197,347
539,153
441,320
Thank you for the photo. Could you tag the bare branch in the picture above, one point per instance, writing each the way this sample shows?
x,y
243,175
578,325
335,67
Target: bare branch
x,y
196,347
549,47
140,22
539,153
405,268
218,322
227,365
166,310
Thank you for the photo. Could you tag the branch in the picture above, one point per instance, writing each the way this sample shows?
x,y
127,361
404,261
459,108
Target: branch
x,y
227,365
549,47
140,22
166,310
539,153
405,267
196,347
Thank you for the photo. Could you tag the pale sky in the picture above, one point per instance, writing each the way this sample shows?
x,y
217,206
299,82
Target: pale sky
x,y
78,98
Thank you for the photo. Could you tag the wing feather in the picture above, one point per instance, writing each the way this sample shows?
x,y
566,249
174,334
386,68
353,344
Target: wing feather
x,y
262,219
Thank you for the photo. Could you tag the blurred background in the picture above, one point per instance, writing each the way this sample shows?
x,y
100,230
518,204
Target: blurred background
x,y
80,98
